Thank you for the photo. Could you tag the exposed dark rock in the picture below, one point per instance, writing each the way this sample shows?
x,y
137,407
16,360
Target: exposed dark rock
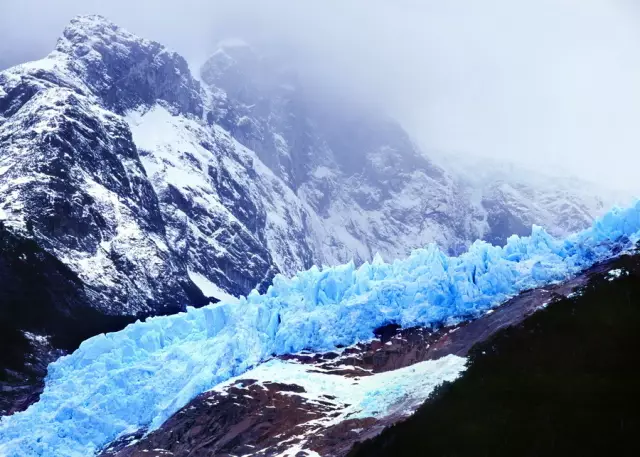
x,y
45,311
126,71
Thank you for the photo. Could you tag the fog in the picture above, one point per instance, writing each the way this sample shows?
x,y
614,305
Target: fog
x,y
548,84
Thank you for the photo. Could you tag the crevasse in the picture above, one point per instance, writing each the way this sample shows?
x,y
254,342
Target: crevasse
x,y
138,377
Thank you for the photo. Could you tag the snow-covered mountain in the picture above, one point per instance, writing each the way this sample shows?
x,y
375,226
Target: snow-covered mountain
x,y
368,187
371,187
150,189
143,181
512,198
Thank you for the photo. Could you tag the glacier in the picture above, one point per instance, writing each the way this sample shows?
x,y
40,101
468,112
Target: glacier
x,y
120,382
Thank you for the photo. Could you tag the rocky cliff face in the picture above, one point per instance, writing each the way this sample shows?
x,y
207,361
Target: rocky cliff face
x,y
368,186
72,179
152,191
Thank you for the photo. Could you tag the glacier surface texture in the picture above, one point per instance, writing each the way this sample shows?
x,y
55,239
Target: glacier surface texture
x,y
138,377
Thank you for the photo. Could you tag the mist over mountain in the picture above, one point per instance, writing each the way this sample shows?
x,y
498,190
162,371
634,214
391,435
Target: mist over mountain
x,y
459,76
230,177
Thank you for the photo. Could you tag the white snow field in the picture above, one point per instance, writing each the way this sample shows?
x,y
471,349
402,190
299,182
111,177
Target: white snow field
x,y
399,392
138,377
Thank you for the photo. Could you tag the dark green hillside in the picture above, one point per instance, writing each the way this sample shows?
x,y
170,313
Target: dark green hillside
x,y
566,382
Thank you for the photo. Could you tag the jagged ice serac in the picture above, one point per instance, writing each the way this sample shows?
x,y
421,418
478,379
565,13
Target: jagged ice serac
x,y
138,377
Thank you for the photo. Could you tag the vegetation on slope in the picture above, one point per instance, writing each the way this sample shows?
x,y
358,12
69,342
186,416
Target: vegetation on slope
x,y
564,382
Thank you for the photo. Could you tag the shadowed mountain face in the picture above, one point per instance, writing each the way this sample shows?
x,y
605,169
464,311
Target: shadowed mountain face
x,y
46,311
564,382
143,190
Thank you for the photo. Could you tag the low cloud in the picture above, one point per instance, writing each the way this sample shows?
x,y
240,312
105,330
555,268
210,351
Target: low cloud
x,y
550,84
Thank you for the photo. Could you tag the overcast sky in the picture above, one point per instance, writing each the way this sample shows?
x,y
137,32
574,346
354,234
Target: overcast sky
x,y
551,84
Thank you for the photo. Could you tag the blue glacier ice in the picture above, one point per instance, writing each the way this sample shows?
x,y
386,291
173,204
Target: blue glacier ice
x,y
138,377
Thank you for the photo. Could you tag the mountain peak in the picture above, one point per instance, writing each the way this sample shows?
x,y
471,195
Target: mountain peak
x,y
87,32
125,70
91,22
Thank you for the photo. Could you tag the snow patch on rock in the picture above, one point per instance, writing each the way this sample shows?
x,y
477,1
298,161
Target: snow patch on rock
x,y
397,392
210,289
